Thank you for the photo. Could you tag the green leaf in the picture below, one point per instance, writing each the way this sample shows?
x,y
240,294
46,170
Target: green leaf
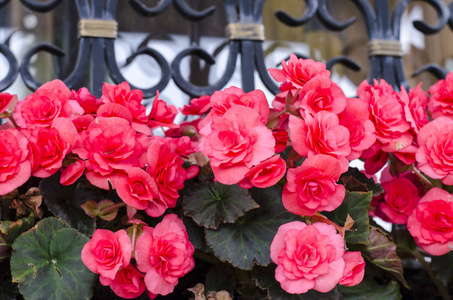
x,y
370,289
443,267
381,251
356,181
65,202
220,277
403,240
248,240
196,235
265,279
5,249
210,203
12,229
102,209
46,262
356,205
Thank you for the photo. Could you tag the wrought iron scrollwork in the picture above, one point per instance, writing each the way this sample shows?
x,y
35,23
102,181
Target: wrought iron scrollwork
x,y
146,11
117,77
13,67
181,6
310,11
438,5
194,90
88,47
39,6
244,12
444,16
27,77
384,35
245,35
191,14
342,60
434,69
3,3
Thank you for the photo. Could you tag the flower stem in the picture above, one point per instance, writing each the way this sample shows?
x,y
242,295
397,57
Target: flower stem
x,y
13,121
422,177
113,208
320,218
443,292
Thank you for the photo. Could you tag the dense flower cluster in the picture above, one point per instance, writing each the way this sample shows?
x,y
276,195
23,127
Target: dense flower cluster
x,y
163,253
234,137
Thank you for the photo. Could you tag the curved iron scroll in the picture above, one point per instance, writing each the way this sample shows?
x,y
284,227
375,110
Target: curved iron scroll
x,y
13,67
99,52
382,27
181,6
39,6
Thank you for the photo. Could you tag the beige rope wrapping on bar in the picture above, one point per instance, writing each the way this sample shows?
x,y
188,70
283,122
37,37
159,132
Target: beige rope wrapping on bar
x,y
245,31
384,47
98,28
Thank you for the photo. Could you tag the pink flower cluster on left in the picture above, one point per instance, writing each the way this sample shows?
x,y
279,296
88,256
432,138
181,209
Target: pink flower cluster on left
x,y
163,254
110,141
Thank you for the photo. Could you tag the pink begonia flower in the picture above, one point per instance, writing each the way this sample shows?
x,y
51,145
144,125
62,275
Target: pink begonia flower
x,y
53,143
279,102
73,172
415,104
49,102
162,114
88,102
354,269
281,139
407,154
308,257
320,134
128,283
298,71
375,158
165,167
109,110
387,114
355,118
139,190
107,252
183,145
6,100
441,101
186,128
197,106
81,122
110,146
265,174
398,202
431,223
322,94
222,101
15,167
123,95
235,143
164,253
312,186
435,152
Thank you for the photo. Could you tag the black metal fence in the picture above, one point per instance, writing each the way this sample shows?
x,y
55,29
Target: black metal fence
x,y
96,23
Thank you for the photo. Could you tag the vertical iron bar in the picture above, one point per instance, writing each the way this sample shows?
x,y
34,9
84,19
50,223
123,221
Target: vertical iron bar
x,y
97,71
247,51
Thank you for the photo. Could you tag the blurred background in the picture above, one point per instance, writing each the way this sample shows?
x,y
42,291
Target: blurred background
x,y
169,33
